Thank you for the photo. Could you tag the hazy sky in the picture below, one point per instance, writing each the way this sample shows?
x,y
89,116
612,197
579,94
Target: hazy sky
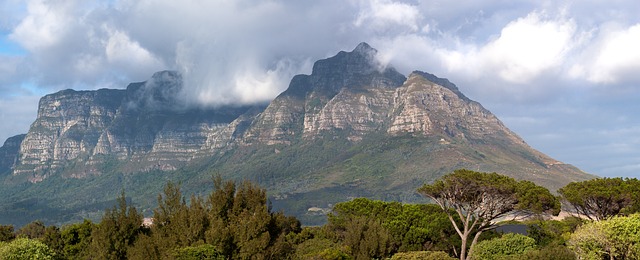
x,y
565,75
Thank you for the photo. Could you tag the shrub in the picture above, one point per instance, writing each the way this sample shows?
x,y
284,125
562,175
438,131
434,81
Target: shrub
x,y
204,251
24,248
422,255
498,248
618,238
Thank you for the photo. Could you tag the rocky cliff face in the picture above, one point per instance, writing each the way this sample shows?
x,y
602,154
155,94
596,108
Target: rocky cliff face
x,y
9,152
344,92
352,93
351,128
145,127
148,126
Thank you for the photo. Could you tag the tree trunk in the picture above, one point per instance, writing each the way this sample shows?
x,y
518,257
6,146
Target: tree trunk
x,y
463,248
474,241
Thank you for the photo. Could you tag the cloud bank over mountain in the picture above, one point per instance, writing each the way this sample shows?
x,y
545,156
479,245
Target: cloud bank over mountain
x,y
561,73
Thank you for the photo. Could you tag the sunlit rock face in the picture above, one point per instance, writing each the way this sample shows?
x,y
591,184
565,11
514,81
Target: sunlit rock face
x,y
147,126
419,125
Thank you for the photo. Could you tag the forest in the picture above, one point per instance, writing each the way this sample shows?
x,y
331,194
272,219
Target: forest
x,y
235,221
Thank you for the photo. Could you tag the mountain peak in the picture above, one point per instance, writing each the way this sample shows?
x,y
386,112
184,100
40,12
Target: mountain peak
x,y
365,48
355,69
166,77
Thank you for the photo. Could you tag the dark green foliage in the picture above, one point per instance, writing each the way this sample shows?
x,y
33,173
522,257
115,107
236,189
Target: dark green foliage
x,y
552,232
76,239
422,255
200,252
536,199
32,230
367,238
53,239
603,198
321,248
242,225
383,228
116,232
551,252
482,198
235,221
6,233
176,225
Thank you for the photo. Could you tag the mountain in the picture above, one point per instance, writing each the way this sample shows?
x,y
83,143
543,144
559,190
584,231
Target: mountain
x,y
351,128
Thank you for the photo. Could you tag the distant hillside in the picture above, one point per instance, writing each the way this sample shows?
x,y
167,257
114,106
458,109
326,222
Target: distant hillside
x,y
352,128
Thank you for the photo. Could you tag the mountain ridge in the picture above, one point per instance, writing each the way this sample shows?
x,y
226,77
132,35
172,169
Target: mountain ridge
x,y
351,128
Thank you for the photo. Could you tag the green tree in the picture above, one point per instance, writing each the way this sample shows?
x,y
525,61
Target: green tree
x,y
479,199
602,198
552,232
76,239
500,247
25,248
242,225
116,232
321,248
614,238
53,239
32,230
6,233
176,225
367,238
410,227
204,251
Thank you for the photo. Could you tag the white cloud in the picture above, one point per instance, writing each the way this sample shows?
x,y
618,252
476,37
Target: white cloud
x,y
45,24
615,57
383,14
121,51
528,47
525,49
498,52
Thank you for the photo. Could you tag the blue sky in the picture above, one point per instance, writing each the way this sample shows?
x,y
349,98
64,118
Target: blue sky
x,y
562,74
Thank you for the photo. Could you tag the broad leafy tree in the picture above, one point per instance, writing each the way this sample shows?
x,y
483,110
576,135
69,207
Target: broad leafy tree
x,y
602,198
479,199
32,230
25,248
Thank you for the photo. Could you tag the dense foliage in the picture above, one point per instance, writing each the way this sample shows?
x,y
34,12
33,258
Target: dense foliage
x,y
599,199
235,221
25,248
615,238
501,247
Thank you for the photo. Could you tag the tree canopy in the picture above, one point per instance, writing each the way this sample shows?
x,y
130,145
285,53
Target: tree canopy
x,y
479,199
603,198
614,238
